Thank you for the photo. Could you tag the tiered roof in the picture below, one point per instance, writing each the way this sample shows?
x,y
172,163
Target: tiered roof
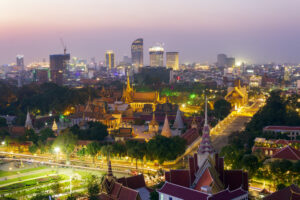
x,y
166,131
206,145
178,123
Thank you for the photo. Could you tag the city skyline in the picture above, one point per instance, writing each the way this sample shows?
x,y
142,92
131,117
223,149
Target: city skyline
x,y
255,31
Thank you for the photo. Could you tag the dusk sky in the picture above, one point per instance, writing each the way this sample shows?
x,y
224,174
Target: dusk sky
x,y
255,30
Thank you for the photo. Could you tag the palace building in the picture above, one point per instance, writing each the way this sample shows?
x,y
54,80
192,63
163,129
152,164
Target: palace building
x,y
237,95
137,100
206,178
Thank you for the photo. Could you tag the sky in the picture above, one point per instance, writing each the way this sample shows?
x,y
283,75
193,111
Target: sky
x,y
255,31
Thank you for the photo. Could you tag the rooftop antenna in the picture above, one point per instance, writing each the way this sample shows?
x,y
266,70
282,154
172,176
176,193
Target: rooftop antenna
x,y
63,45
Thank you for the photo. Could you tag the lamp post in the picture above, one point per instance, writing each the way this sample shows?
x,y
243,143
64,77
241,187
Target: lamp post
x,y
57,149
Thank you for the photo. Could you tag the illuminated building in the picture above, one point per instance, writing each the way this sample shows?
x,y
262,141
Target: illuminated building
x,y
156,56
137,100
20,61
58,64
137,53
172,60
237,95
255,81
109,59
206,177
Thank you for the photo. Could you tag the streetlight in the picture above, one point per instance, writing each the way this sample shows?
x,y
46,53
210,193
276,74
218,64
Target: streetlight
x,y
57,149
3,142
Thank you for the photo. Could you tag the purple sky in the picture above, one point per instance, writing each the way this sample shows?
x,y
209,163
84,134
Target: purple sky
x,y
253,30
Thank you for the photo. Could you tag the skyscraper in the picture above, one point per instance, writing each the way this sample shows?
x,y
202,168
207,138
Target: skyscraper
x,y
109,59
137,53
20,61
156,56
222,60
172,60
58,66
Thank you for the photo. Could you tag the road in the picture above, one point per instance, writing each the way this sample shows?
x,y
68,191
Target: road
x,y
235,121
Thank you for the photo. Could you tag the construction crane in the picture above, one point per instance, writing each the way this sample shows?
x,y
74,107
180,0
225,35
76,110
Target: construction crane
x,y
64,45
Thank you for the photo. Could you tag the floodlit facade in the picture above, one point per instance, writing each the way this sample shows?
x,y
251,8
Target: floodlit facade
x,y
156,56
109,59
172,60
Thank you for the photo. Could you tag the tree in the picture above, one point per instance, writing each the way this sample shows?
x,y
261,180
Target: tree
x,y
280,186
119,149
232,156
251,163
33,148
95,131
31,136
154,195
92,149
66,141
136,150
221,108
162,148
93,187
45,134
3,122
41,196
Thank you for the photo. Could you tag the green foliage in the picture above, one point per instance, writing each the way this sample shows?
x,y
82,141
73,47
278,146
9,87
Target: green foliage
x,y
251,163
92,149
41,196
232,156
33,148
3,122
93,187
72,197
56,188
154,195
31,136
45,134
119,149
66,141
221,108
280,186
275,112
95,131
136,149
162,148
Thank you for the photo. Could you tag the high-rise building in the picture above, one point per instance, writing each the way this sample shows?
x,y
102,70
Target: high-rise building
x,y
222,60
156,56
109,59
20,61
137,53
58,66
172,60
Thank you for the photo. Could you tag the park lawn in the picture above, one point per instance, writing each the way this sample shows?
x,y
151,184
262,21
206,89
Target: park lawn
x,y
10,173
42,174
30,183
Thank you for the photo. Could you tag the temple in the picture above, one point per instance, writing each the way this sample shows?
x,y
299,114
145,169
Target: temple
x,y
131,188
206,177
237,95
28,122
137,100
